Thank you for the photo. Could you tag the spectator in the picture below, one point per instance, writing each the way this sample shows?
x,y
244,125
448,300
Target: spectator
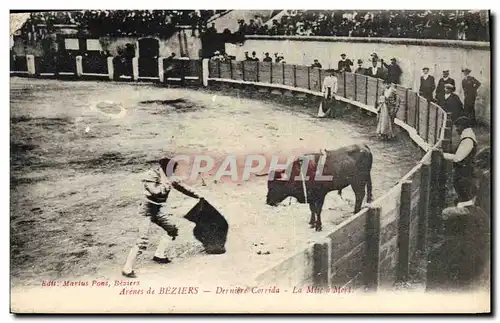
x,y
258,21
330,84
463,161
316,64
470,86
344,64
427,85
254,57
247,58
393,71
451,102
388,105
212,30
267,58
375,71
440,87
382,23
360,70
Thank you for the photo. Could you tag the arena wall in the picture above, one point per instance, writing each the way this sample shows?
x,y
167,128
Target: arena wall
x,y
412,56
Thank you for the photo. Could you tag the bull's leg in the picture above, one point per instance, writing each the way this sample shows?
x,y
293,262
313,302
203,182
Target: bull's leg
x,y
319,206
359,193
312,220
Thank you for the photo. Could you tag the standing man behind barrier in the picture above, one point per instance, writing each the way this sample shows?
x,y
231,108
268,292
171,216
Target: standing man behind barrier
x,y
329,90
446,79
393,71
451,103
427,85
344,64
470,86
463,162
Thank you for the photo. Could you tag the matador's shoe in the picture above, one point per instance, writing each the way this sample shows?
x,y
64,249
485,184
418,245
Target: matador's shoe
x,y
161,260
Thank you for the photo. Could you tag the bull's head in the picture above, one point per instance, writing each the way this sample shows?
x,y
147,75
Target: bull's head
x,y
211,227
276,188
283,186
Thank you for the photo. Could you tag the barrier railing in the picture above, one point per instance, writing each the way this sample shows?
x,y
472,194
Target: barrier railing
x,y
374,247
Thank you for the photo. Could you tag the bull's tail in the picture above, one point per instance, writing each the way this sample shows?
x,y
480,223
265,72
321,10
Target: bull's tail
x,y
369,195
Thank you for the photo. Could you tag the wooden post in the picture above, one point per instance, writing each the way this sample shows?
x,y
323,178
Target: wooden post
x,y
403,269
321,264
425,189
345,87
435,187
320,80
111,68
294,76
243,70
231,70
258,69
406,106
30,64
417,113
183,72
355,88
436,126
79,65
308,78
271,72
427,121
366,90
283,72
372,243
218,68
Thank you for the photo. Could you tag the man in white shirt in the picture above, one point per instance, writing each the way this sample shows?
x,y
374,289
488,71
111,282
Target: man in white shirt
x,y
463,162
330,84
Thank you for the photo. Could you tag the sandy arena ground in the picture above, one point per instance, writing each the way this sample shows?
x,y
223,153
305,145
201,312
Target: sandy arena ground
x,y
76,166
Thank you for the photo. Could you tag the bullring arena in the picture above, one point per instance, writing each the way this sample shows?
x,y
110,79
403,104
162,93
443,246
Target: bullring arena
x,y
83,135
105,157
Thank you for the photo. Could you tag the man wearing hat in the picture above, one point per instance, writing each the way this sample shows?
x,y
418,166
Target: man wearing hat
x,y
254,57
267,58
316,64
427,85
393,71
463,161
470,86
157,184
329,90
451,102
375,71
344,64
360,69
446,79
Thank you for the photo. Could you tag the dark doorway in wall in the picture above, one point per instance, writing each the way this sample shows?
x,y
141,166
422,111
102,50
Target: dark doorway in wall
x,y
211,43
149,52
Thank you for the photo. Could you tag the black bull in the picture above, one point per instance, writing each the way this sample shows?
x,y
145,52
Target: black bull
x,y
350,165
211,227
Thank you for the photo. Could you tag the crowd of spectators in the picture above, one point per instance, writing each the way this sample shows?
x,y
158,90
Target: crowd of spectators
x,y
456,24
123,22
